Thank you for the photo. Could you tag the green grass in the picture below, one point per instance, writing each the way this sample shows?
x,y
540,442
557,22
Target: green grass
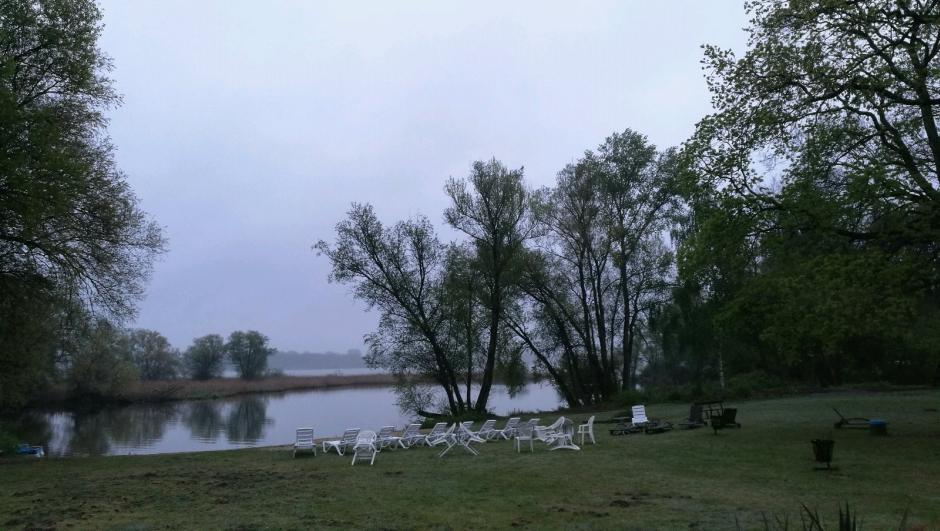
x,y
677,480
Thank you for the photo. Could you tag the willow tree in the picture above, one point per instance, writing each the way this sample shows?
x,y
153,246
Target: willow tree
x,y
491,207
399,270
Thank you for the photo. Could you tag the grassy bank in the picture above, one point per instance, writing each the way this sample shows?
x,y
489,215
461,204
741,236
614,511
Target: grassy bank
x,y
167,390
681,479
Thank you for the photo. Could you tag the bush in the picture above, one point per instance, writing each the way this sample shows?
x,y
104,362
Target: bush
x,y
755,383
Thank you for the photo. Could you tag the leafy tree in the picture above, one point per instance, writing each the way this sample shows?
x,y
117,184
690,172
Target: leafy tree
x,y
204,359
153,355
491,206
848,90
71,230
99,364
248,351
400,271
813,191
639,197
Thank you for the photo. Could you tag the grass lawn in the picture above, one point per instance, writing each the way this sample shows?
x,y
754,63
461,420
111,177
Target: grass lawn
x,y
676,480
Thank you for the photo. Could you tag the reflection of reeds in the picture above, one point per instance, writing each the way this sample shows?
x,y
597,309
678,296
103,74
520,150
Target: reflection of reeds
x,y
155,391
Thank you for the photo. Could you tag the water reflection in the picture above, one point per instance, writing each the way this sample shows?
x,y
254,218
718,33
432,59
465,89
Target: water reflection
x,y
204,420
234,422
247,420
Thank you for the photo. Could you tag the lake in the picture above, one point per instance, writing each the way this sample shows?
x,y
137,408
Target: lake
x,y
239,422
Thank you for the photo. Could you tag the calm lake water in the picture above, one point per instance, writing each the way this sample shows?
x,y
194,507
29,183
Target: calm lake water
x,y
239,422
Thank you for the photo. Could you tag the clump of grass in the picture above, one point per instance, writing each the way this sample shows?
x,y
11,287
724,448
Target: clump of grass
x,y
810,520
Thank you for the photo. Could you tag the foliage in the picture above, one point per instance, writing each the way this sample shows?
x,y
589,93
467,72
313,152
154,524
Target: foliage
x,y
401,271
153,356
248,351
71,230
491,207
809,248
204,359
99,362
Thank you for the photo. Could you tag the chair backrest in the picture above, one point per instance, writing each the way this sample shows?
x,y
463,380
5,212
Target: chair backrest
x,y
438,429
729,415
590,421
488,426
555,426
695,413
385,432
305,436
511,423
525,430
350,436
365,437
411,430
639,414
467,424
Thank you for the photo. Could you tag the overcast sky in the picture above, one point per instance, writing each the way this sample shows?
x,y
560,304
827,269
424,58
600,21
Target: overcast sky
x,y
248,128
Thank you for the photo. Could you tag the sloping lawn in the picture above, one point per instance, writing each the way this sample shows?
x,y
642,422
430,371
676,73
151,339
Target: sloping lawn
x,y
676,480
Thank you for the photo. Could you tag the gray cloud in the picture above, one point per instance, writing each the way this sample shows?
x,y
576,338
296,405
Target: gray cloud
x,y
248,128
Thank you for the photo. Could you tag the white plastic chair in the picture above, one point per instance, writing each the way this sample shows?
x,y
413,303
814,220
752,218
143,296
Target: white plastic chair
x,y
411,436
365,448
462,438
385,438
441,438
639,416
304,441
508,431
486,430
347,442
587,429
526,432
548,433
437,432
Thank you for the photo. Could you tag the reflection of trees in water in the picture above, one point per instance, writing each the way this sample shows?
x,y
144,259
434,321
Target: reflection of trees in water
x,y
89,434
138,426
204,420
247,420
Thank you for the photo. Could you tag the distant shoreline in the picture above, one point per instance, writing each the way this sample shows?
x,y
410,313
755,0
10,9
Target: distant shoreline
x,y
176,390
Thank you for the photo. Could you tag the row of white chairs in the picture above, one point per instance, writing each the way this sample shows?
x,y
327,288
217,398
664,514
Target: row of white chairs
x,y
365,444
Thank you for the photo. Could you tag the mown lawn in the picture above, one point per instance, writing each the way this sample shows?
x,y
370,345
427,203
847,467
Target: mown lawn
x,y
677,480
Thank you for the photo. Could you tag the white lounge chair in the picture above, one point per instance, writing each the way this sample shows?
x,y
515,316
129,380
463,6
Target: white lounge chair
x,y
411,436
587,429
463,437
508,431
526,432
345,443
558,436
486,430
442,438
385,438
639,416
547,433
435,434
365,448
304,441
